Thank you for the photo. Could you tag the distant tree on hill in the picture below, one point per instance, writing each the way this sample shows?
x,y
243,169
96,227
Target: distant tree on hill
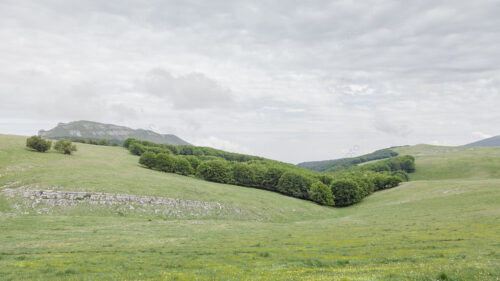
x,y
271,178
164,162
294,184
182,166
321,194
38,144
215,170
193,160
103,142
65,146
243,174
346,192
148,159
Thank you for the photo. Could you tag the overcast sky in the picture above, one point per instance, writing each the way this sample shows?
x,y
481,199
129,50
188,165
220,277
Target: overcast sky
x,y
289,80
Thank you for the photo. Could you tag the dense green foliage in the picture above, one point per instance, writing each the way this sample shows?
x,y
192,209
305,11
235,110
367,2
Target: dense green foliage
x,y
105,142
251,171
428,229
346,192
38,144
215,170
400,163
343,163
322,194
65,146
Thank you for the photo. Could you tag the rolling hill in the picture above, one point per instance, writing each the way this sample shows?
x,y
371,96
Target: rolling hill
x,y
98,215
113,133
326,165
493,141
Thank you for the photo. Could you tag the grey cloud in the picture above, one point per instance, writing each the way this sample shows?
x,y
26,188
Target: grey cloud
x,y
318,70
190,91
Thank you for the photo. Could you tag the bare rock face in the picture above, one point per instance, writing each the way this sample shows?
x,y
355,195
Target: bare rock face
x,y
114,133
29,199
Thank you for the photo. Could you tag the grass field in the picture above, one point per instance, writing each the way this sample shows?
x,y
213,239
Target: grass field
x,y
444,225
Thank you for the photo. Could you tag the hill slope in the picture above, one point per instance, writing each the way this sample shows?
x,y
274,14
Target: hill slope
x,y
493,141
326,165
94,130
441,229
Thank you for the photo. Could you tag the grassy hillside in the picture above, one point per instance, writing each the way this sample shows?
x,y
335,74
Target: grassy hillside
x,y
442,162
444,228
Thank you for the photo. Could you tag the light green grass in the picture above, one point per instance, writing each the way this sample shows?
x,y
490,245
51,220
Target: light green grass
x,y
419,231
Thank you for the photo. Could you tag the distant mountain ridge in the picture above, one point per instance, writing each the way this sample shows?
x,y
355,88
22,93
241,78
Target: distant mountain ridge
x,y
493,141
326,165
114,133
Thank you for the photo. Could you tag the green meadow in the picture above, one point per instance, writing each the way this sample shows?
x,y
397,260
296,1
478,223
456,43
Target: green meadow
x,y
442,225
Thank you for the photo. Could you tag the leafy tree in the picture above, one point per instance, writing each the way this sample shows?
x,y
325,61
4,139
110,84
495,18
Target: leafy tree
x,y
321,194
346,192
38,144
215,170
183,167
243,174
164,162
193,160
271,178
294,184
148,159
136,148
65,146
103,142
128,141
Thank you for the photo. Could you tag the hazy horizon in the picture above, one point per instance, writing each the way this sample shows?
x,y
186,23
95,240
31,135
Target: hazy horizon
x,y
288,81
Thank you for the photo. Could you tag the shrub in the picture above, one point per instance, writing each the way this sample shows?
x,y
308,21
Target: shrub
x,y
271,178
148,159
193,160
164,162
103,142
215,170
182,166
346,192
128,141
38,144
243,174
321,194
65,146
136,148
294,184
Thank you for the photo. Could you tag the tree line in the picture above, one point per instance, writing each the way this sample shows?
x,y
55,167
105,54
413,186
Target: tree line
x,y
342,188
343,163
42,145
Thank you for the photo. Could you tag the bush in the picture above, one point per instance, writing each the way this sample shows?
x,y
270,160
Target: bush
x,y
103,142
38,144
164,162
215,170
136,148
65,146
182,167
321,194
128,141
148,159
271,178
346,192
243,174
294,184
193,160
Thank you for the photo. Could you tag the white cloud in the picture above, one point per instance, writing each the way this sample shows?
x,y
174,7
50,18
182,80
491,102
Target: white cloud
x,y
287,80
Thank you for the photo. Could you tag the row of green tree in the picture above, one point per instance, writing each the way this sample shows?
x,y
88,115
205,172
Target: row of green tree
x,y
343,163
104,142
138,147
339,189
42,145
